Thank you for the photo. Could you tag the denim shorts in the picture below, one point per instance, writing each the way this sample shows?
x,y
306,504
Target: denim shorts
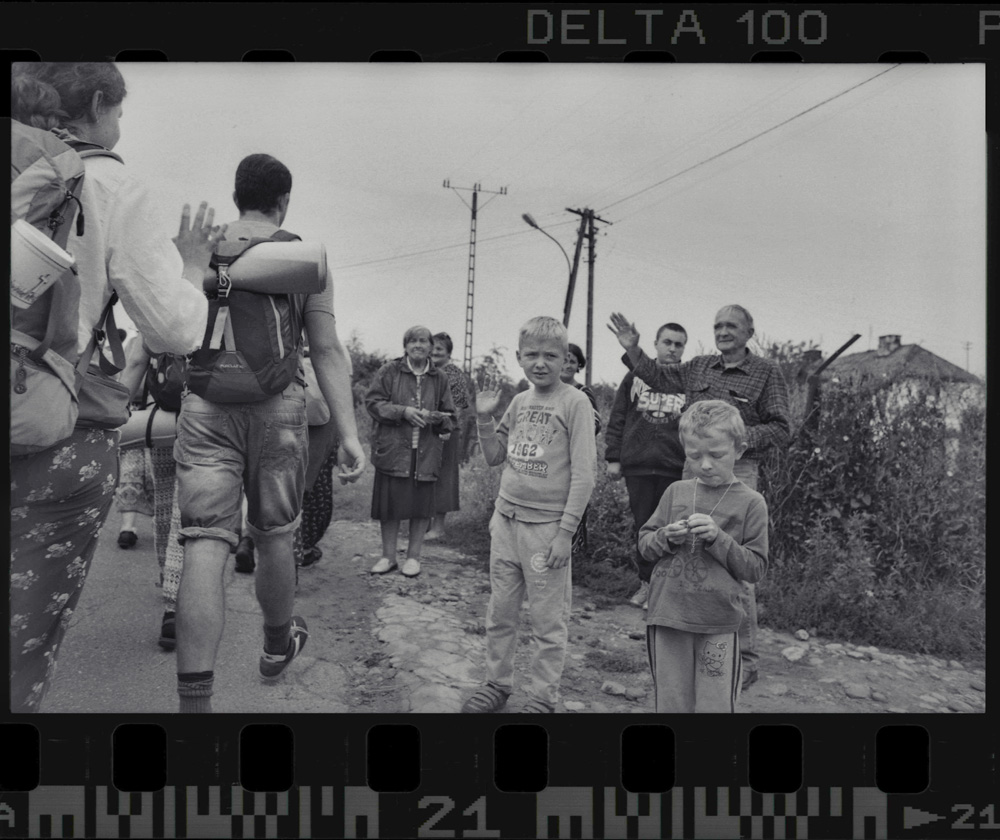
x,y
225,449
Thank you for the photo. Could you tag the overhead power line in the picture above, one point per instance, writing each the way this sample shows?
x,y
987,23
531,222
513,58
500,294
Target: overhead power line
x,y
749,139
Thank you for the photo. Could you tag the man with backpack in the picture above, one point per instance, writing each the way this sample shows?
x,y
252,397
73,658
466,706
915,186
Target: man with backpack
x,y
246,430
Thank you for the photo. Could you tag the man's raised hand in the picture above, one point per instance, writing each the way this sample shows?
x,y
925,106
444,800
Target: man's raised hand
x,y
624,331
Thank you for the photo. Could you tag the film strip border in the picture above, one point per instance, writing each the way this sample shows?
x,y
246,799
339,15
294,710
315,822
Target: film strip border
x,y
70,811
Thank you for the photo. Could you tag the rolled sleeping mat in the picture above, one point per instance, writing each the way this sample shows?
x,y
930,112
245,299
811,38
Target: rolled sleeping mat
x,y
295,268
152,427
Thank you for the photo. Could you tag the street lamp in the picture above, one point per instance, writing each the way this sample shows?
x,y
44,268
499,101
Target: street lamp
x,y
569,295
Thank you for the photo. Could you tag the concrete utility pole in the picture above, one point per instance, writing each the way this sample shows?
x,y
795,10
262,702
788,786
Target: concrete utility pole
x,y
967,345
471,287
587,219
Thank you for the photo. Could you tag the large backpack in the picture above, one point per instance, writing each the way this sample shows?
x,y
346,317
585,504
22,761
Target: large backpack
x,y
253,341
46,371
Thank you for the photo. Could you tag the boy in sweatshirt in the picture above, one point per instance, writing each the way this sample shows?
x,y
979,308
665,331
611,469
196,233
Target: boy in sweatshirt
x,y
708,533
642,444
546,437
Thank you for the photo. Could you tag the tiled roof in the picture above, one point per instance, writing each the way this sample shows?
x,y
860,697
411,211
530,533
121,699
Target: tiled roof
x,y
906,361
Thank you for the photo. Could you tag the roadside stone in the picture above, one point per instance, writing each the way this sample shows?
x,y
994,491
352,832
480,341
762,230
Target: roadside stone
x,y
599,707
589,606
857,691
959,706
929,698
856,654
896,710
635,634
879,697
634,693
574,706
978,685
778,689
813,631
834,646
956,665
815,661
802,635
586,615
794,653
613,688
577,657
828,680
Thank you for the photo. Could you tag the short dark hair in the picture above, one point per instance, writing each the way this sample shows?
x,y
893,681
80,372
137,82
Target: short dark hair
x,y
581,360
671,326
445,339
260,181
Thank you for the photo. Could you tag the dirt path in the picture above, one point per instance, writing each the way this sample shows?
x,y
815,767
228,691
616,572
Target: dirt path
x,y
422,648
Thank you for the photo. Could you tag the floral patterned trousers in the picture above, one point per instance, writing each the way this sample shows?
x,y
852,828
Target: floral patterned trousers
x,y
59,500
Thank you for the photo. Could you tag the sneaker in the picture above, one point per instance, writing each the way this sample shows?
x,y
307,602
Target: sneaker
x,y
384,566
489,698
168,631
641,597
244,556
749,678
313,555
273,664
536,707
411,568
127,539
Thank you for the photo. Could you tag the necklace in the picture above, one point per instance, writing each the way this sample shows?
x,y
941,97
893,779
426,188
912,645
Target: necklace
x,y
694,507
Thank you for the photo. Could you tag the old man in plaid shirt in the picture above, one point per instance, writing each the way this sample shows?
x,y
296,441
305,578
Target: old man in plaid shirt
x,y
753,384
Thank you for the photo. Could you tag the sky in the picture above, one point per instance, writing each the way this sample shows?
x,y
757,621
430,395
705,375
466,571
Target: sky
x,y
827,199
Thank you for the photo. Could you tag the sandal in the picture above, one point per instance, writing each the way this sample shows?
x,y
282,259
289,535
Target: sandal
x,y
489,698
536,707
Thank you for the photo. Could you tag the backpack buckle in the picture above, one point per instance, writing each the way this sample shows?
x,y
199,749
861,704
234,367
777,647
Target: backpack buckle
x,y
225,284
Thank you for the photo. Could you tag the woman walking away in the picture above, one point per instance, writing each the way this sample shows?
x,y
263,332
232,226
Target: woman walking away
x,y
411,405
446,491
61,496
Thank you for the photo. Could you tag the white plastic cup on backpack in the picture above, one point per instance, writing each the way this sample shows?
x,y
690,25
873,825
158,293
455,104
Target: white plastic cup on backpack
x,y
281,268
36,262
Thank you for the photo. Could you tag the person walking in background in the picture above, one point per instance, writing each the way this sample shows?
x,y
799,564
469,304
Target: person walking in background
x,y
411,406
707,535
317,500
576,362
642,444
546,442
61,496
258,444
753,384
446,497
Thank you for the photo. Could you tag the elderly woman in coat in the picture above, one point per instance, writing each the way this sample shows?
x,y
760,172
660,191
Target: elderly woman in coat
x,y
411,405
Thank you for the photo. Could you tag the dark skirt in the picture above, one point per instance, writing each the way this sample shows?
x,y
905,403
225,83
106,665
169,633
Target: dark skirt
x,y
395,498
446,490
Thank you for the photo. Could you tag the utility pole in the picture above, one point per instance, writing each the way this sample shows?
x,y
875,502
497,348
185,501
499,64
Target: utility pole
x,y
471,287
967,345
587,219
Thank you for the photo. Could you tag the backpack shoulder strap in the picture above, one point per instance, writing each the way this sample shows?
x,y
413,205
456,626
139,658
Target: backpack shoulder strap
x,y
85,149
284,236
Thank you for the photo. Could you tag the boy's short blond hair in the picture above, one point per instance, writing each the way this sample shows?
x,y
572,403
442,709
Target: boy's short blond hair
x,y
714,414
543,327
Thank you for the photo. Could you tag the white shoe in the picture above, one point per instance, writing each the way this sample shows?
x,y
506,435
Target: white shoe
x,y
411,568
383,566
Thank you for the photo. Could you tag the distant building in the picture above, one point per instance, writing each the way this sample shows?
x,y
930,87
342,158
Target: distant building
x,y
894,362
910,373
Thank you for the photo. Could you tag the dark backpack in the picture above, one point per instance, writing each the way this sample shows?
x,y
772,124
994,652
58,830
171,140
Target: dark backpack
x,y
166,377
47,372
253,341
